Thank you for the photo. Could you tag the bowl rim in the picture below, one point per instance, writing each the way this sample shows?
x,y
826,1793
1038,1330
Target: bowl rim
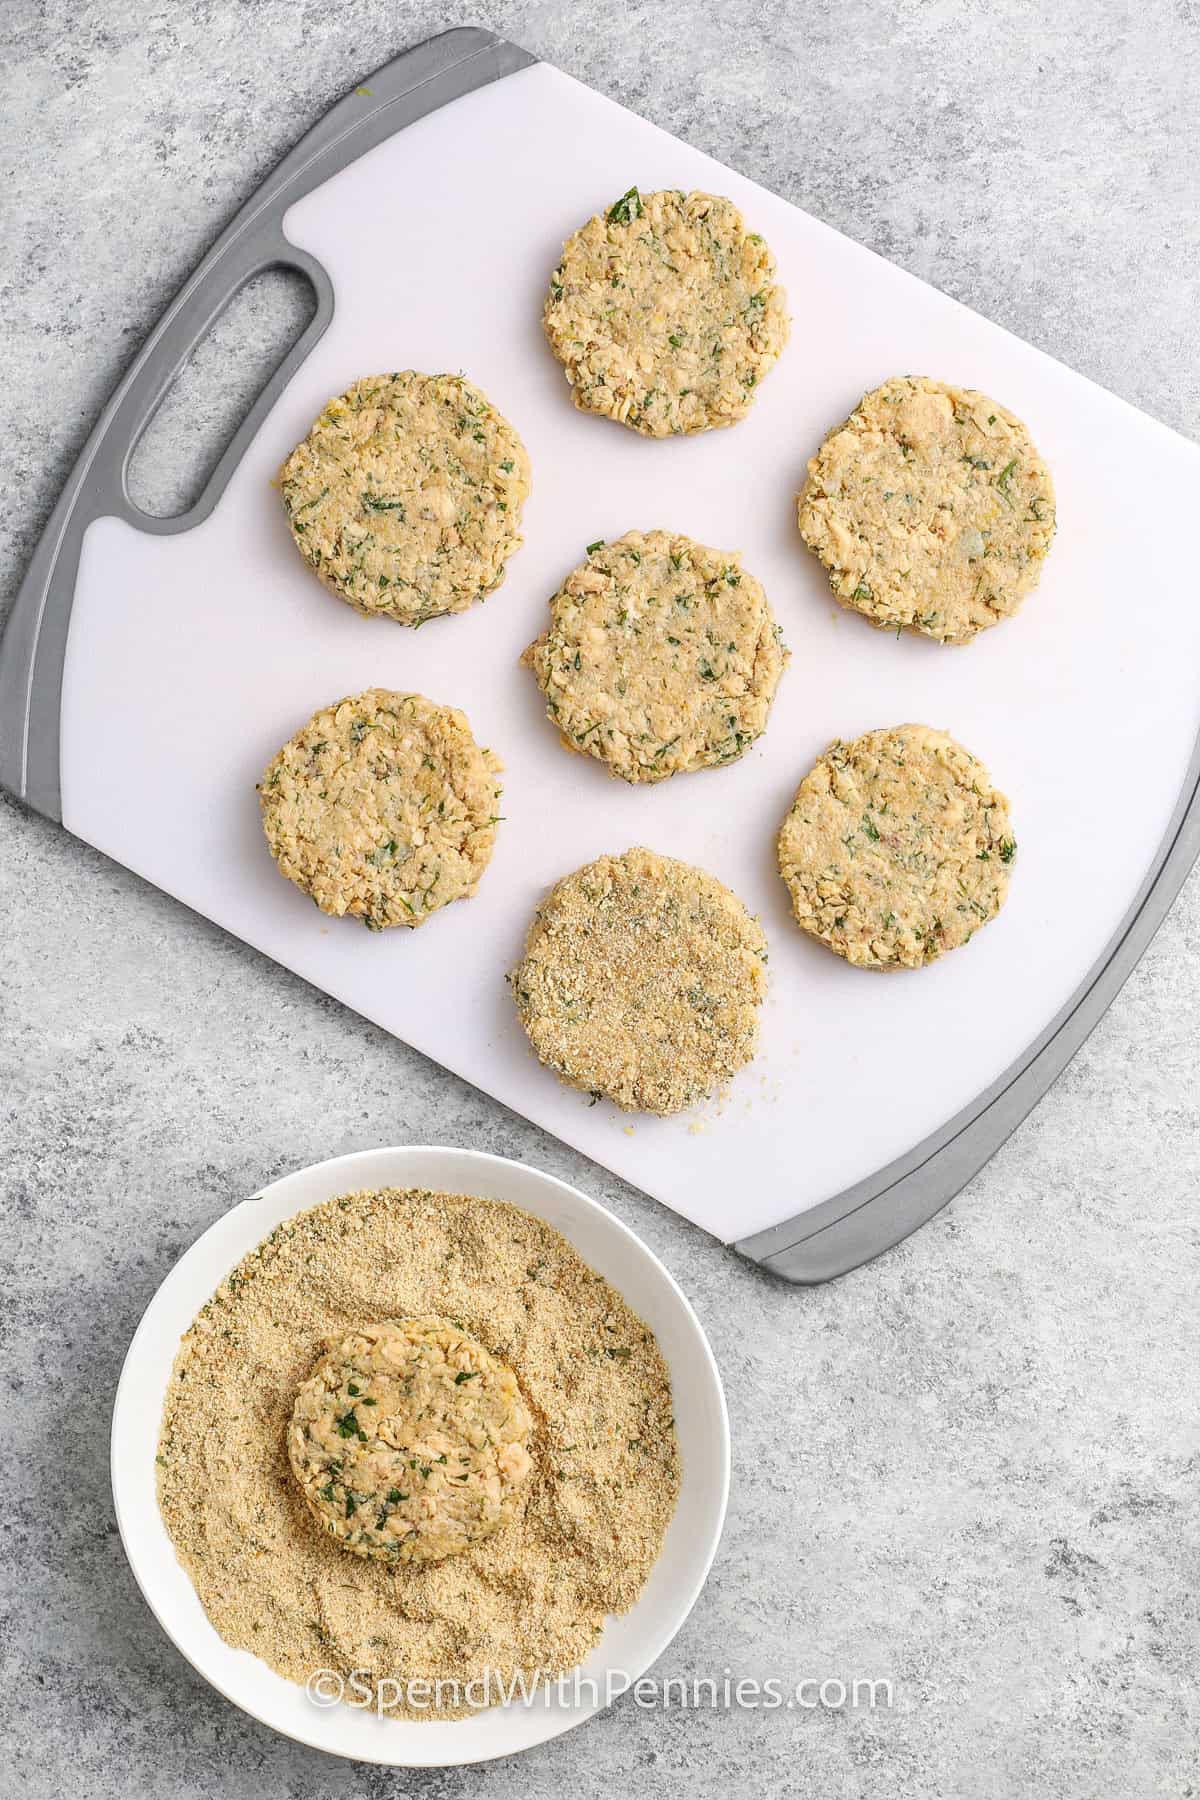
x,y
229,1237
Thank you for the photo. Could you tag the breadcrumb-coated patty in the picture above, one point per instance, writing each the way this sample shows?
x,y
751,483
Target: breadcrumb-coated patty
x,y
661,656
930,508
382,806
665,313
897,848
409,1441
405,497
641,981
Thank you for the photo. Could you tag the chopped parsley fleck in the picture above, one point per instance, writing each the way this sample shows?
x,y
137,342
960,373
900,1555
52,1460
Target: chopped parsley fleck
x,y
626,209
1004,479
315,501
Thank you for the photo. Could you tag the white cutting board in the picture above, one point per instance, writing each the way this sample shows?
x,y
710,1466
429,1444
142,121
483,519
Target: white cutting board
x,y
191,658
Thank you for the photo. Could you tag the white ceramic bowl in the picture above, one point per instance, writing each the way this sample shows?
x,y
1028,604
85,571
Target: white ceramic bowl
x,y
629,1644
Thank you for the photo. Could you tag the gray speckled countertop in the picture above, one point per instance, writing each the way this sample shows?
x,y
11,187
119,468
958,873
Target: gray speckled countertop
x,y
972,1467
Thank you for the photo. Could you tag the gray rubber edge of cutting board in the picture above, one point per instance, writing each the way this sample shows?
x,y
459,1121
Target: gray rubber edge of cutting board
x,y
817,1245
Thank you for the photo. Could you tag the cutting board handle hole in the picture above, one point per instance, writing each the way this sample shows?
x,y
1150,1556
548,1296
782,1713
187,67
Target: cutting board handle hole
x,y
200,412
